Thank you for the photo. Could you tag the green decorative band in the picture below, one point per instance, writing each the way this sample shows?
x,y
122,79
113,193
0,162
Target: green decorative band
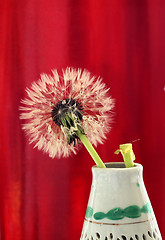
x,y
89,212
118,213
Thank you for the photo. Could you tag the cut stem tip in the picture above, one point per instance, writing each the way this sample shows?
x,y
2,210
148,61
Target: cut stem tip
x,y
127,153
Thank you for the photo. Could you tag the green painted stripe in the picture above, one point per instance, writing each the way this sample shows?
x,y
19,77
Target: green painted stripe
x,y
133,211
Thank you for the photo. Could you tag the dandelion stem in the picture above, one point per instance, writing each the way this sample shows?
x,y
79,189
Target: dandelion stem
x,y
127,153
91,149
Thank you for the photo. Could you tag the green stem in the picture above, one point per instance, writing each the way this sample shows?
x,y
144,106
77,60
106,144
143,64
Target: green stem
x,y
128,160
128,154
91,149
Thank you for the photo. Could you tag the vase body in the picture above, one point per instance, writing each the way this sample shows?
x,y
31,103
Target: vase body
x,y
119,207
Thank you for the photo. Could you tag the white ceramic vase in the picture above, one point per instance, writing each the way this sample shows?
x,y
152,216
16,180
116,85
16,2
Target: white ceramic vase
x,y
119,207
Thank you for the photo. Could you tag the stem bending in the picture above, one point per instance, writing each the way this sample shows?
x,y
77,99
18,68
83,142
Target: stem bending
x,y
127,153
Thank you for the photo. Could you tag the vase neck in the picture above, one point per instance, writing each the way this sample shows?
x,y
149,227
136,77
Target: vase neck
x,y
118,173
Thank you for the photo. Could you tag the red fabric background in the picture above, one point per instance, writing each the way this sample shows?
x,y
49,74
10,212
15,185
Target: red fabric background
x,y
123,41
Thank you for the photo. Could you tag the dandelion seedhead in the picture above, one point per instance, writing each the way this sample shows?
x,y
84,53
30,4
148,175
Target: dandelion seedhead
x,y
58,107
68,114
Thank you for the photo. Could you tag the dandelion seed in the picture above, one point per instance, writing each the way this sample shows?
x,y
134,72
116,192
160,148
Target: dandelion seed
x,y
57,108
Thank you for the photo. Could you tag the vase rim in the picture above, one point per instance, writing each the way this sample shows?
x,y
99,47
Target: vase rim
x,y
117,166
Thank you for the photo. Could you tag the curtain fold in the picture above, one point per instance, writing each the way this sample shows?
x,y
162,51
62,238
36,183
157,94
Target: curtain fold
x,y
123,42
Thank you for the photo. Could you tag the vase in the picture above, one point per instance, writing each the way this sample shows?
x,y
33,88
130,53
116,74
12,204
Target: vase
x,y
119,207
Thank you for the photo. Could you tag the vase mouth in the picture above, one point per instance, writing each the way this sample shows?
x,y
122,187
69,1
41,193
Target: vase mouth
x,y
118,166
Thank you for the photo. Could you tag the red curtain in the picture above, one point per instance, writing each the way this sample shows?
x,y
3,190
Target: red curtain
x,y
123,42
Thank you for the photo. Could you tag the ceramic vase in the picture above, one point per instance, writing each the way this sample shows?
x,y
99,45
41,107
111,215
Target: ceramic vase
x,y
119,207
